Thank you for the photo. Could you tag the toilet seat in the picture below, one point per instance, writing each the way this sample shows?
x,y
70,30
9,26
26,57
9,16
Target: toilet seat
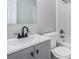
x,y
61,52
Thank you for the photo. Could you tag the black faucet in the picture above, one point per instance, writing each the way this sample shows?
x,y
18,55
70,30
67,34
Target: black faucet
x,y
23,34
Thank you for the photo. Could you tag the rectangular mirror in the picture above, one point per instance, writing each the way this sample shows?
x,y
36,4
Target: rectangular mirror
x,y
21,12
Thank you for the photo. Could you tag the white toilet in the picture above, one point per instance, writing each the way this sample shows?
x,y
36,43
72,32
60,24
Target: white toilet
x,y
62,51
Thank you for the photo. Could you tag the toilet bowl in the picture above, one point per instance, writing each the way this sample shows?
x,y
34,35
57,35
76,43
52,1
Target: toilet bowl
x,y
60,52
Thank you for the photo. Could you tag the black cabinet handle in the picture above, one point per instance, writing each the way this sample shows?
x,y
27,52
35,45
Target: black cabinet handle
x,y
37,51
32,54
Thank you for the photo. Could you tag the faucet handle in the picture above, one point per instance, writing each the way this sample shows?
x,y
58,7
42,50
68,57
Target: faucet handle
x,y
19,36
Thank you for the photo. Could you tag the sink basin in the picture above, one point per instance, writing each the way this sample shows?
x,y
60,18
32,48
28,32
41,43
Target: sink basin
x,y
14,42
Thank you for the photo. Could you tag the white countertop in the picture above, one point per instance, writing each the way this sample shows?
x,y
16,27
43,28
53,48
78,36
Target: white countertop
x,y
14,45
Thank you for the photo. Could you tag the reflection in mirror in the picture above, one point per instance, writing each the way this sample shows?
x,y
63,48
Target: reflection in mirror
x,y
21,12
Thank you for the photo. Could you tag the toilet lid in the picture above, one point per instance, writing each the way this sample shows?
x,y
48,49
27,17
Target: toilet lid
x,y
62,51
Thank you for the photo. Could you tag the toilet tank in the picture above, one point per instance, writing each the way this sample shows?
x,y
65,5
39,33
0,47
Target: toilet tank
x,y
53,36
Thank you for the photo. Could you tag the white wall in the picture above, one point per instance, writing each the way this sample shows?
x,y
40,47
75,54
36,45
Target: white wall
x,y
46,15
46,20
64,19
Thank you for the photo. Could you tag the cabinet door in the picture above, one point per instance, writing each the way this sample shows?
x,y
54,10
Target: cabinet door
x,y
42,50
23,54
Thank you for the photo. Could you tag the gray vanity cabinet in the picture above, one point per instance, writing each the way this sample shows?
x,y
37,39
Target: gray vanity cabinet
x,y
39,51
23,54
